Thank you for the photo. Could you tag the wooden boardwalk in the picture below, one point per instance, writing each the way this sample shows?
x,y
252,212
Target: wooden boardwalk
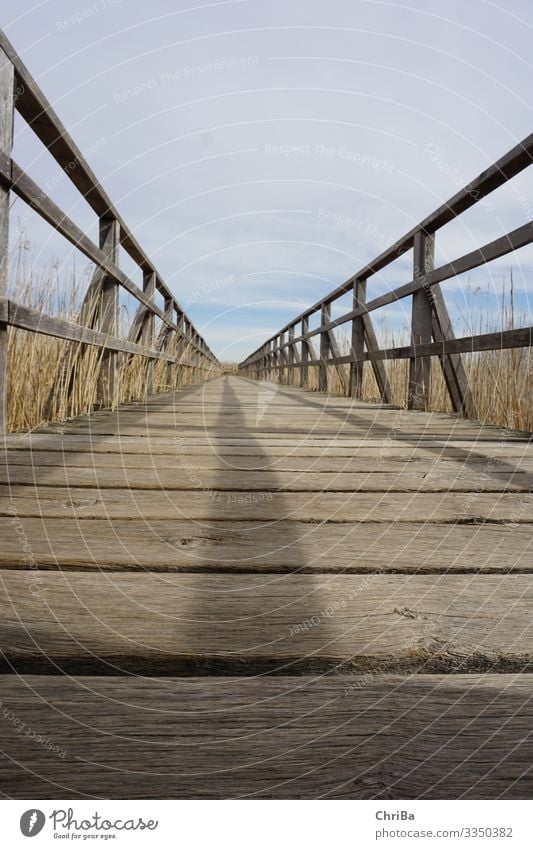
x,y
242,589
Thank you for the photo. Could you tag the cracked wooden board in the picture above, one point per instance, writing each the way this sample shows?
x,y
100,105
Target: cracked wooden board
x,y
481,447
252,624
440,462
189,477
341,737
214,546
84,503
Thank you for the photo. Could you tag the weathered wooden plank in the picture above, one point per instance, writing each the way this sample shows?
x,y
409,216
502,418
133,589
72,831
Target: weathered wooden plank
x,y
107,388
186,476
229,546
6,143
82,455
29,319
254,507
358,340
244,624
350,737
421,322
498,341
480,446
247,427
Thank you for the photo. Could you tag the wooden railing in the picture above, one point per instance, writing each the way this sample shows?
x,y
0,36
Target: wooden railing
x,y
98,321
431,328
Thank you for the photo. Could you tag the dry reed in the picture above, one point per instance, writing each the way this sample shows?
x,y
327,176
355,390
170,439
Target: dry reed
x,y
50,379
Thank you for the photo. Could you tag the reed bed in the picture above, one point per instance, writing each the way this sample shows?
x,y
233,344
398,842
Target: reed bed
x,y
51,379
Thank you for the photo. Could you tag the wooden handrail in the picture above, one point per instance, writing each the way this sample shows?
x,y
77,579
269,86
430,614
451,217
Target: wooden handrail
x,y
19,92
431,328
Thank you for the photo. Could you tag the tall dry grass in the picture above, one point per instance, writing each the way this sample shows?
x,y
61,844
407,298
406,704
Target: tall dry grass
x,y
501,381
51,379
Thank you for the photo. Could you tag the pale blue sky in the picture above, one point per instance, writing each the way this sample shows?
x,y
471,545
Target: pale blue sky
x,y
263,152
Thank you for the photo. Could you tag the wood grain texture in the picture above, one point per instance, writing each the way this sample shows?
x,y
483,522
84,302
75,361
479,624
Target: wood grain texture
x,y
217,534
342,737
128,555
222,459
186,476
84,503
278,546
251,624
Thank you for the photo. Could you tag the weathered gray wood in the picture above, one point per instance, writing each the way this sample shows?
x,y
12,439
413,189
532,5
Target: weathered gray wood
x,y
30,319
225,458
175,624
522,337
84,503
452,365
261,449
304,373
291,353
324,350
108,389
421,318
188,477
6,143
358,340
161,545
291,737
147,331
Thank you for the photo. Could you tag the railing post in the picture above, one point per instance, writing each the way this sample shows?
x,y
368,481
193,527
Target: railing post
x,y
358,340
304,371
290,356
325,318
108,389
7,107
281,359
421,323
264,362
148,329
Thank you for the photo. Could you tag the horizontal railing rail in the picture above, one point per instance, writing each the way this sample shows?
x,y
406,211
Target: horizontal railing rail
x,y
98,321
431,328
